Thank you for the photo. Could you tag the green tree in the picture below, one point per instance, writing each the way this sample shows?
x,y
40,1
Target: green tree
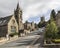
x,y
53,14
39,24
42,24
51,30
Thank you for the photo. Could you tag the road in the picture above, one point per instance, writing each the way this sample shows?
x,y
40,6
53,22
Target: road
x,y
39,43
23,42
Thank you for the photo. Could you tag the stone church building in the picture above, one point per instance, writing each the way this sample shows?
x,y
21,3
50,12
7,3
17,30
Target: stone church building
x,y
12,23
8,25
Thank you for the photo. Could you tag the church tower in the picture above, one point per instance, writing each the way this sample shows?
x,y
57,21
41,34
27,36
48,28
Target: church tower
x,y
18,16
42,19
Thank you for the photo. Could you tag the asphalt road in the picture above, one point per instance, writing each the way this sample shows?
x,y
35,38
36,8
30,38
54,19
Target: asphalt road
x,y
23,42
39,43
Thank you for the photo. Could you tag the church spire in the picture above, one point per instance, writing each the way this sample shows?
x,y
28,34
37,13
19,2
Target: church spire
x,y
18,6
18,16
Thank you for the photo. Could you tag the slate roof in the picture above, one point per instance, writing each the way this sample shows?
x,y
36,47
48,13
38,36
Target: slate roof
x,y
5,20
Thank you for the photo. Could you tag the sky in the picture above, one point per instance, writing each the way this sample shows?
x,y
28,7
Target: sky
x,y
32,9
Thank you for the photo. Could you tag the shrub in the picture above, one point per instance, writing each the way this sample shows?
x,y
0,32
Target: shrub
x,y
12,34
56,40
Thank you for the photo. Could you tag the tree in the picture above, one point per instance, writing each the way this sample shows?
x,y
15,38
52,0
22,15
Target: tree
x,y
53,14
51,29
42,24
39,24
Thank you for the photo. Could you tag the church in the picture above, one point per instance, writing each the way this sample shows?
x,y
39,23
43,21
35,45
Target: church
x,y
13,23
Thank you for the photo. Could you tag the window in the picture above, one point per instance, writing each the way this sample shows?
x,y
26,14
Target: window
x,y
20,21
13,29
13,21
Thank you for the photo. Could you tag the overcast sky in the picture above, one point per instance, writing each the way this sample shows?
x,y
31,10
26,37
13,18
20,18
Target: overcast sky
x,y
32,9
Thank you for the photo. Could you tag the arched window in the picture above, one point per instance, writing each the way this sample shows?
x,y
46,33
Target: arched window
x,y
13,21
13,29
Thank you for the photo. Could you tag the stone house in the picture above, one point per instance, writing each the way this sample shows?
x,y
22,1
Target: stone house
x,y
29,26
58,19
8,25
33,26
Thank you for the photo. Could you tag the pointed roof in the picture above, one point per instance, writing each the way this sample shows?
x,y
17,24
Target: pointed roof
x,y
5,20
18,6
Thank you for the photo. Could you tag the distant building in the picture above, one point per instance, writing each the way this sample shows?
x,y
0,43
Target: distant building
x,y
42,23
42,19
58,19
33,26
29,26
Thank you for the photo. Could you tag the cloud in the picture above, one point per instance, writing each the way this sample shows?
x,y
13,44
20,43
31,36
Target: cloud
x,y
31,8
40,7
36,19
31,11
7,7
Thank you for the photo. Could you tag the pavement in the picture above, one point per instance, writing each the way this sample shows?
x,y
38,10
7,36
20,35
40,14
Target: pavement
x,y
32,40
4,40
20,43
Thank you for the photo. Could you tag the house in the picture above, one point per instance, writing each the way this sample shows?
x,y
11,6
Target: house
x,y
29,26
8,25
58,19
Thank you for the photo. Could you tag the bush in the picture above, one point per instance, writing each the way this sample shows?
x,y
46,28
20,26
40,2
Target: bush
x,y
56,40
58,33
48,41
12,34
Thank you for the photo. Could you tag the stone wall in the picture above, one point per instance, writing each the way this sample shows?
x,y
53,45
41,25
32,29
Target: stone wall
x,y
12,24
3,31
52,46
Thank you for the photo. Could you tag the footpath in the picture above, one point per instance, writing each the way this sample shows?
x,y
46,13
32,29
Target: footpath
x,y
5,40
16,38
